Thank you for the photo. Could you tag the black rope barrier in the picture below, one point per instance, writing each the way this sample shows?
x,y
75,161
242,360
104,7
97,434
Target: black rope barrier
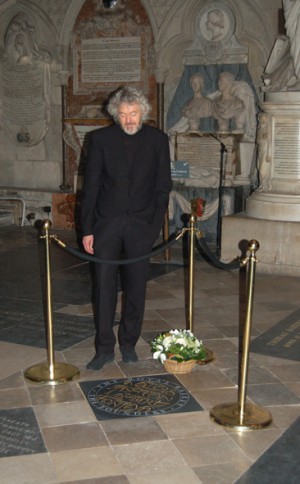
x,y
91,258
202,245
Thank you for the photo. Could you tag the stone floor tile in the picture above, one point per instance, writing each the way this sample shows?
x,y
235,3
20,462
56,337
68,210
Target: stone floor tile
x,y
148,457
13,398
48,394
284,415
222,346
255,443
79,356
222,473
271,361
185,425
176,476
208,398
15,357
271,394
64,414
294,387
142,367
158,304
256,375
204,376
79,464
155,325
13,381
214,449
225,360
128,431
287,373
77,436
110,371
102,480
31,469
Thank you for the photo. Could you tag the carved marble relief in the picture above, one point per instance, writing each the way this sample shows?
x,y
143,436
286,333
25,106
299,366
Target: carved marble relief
x,y
25,84
223,101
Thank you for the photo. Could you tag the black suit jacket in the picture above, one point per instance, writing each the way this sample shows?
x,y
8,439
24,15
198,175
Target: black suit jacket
x,y
114,185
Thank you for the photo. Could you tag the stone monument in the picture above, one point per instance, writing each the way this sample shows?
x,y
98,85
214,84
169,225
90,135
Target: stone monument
x,y
273,210
211,120
25,82
223,99
278,195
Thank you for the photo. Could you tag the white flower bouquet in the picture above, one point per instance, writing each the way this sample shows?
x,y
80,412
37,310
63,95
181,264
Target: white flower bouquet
x,y
179,345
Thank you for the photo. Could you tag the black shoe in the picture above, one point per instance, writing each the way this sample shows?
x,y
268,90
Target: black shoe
x,y
128,354
99,361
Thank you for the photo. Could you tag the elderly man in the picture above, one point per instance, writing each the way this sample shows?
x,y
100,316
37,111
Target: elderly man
x,y
125,197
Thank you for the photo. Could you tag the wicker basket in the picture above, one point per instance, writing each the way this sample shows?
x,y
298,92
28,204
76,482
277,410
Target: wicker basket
x,y
172,366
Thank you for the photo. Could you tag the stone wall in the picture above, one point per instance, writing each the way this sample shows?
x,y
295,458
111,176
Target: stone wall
x,y
168,28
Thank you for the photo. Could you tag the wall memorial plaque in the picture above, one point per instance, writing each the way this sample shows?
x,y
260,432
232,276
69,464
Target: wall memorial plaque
x,y
202,152
286,160
116,59
113,49
25,84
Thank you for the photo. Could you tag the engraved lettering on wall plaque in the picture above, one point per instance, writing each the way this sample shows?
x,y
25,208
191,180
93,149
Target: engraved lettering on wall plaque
x,y
25,102
116,59
83,131
286,149
201,152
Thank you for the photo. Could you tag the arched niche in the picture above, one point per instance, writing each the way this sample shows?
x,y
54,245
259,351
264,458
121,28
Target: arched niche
x,y
250,31
70,19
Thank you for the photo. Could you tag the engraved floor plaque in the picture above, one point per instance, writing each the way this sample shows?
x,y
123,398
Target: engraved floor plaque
x,y
138,397
282,340
20,433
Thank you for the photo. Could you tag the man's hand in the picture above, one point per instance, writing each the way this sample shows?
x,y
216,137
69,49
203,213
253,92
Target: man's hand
x,y
88,243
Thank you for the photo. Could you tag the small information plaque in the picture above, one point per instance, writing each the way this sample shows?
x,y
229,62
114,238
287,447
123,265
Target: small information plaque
x,y
180,169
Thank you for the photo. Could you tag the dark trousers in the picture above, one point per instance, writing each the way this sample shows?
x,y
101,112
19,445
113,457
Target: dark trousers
x,y
113,238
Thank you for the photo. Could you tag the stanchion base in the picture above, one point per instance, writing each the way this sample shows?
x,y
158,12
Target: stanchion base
x,y
62,373
208,358
228,414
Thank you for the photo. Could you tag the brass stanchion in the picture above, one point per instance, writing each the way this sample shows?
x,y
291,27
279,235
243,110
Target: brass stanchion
x,y
51,373
209,354
242,415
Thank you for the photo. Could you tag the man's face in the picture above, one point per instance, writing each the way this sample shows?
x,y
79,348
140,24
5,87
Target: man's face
x,y
223,82
130,117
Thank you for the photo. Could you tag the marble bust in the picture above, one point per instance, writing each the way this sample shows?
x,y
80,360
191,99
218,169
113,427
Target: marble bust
x,y
198,106
234,101
195,108
227,106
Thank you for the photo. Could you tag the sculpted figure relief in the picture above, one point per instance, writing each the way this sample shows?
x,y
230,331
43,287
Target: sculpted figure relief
x,y
215,24
292,26
264,153
234,101
282,72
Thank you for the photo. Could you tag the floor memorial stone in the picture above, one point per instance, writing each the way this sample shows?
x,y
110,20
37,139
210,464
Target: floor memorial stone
x,y
138,397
